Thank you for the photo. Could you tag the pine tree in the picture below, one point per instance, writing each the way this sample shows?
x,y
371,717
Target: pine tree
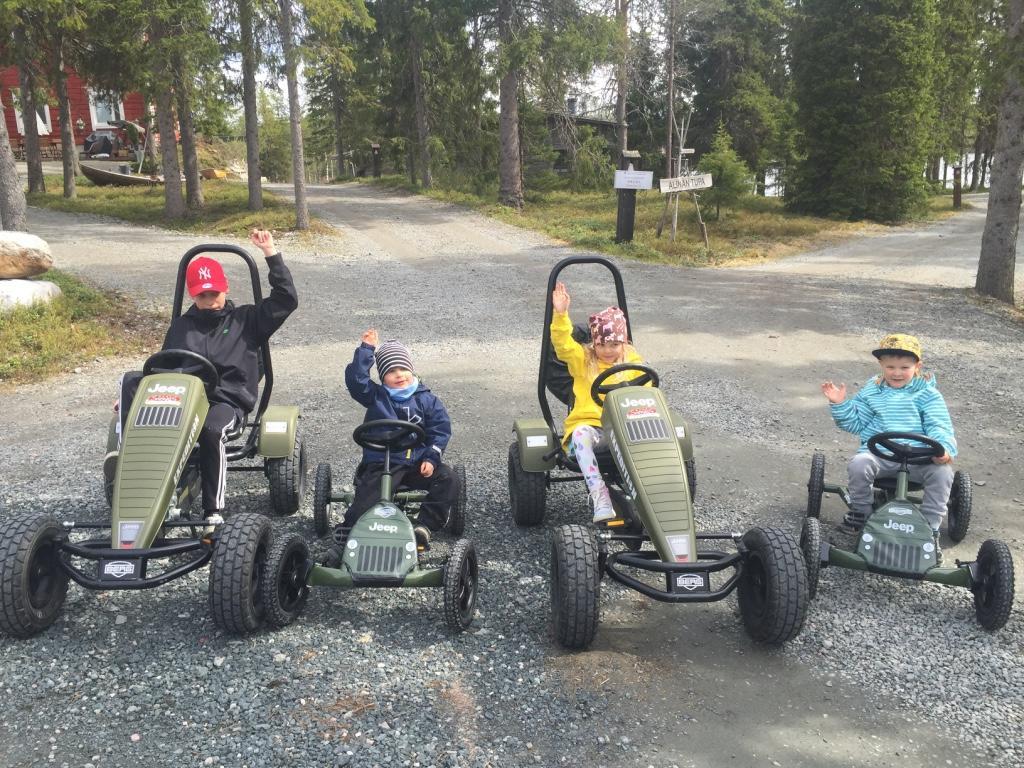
x,y
730,176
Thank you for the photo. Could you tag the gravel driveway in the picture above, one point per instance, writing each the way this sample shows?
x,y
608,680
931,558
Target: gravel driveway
x,y
885,672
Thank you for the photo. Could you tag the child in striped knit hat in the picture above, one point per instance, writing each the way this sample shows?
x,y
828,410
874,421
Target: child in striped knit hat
x,y
899,399
401,395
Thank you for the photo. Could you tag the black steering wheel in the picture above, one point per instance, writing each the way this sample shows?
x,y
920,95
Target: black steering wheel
x,y
187,362
598,390
912,454
388,434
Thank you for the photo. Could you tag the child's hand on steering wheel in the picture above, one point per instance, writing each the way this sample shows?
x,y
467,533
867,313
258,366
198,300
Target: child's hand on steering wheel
x,y
426,468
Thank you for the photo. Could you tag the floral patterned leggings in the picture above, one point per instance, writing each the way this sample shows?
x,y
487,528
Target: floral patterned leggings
x,y
585,440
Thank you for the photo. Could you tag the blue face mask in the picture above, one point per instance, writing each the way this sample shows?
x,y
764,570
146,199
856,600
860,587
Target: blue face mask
x,y
403,394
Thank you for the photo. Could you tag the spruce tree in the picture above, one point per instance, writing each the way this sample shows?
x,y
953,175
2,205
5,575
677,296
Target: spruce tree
x,y
863,86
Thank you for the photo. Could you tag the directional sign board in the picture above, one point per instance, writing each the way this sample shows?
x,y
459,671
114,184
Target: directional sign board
x,y
686,183
634,179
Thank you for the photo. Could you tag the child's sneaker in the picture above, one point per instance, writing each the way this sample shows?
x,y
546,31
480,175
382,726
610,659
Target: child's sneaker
x,y
938,549
852,523
422,534
212,518
603,509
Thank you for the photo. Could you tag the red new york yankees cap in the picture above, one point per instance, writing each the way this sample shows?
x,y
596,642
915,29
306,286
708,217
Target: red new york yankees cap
x,y
205,274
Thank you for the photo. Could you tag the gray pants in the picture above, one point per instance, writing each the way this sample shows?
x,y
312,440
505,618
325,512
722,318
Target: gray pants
x,y
937,480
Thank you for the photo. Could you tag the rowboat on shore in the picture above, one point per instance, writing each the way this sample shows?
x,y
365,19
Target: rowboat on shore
x,y
103,177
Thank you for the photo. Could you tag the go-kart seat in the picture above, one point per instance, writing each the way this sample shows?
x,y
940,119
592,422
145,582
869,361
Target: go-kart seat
x,y
556,373
889,484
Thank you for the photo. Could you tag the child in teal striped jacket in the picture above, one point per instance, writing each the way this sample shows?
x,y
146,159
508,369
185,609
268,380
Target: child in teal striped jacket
x,y
900,399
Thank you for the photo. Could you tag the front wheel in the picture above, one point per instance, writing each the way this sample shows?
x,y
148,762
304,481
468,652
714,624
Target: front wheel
x,y
322,500
456,523
810,547
958,509
527,491
773,588
283,585
993,587
460,580
236,572
816,484
32,583
575,586
287,478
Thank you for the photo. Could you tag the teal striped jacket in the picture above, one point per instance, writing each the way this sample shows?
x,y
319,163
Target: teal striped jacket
x,y
917,407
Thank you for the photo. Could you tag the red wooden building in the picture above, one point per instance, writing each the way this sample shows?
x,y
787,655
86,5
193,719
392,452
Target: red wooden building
x,y
90,112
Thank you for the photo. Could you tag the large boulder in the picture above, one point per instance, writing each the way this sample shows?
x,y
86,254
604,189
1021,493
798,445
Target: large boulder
x,y
23,255
15,293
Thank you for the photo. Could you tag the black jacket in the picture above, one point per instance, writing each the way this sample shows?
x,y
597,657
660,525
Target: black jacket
x,y
231,337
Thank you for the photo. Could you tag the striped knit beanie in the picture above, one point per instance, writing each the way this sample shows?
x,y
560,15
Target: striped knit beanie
x,y
392,354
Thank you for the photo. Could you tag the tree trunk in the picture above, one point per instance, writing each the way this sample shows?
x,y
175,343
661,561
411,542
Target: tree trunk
x,y
974,161
422,119
189,154
291,58
510,177
67,138
984,169
1002,223
252,129
411,161
33,157
12,193
670,123
621,77
150,149
338,111
174,203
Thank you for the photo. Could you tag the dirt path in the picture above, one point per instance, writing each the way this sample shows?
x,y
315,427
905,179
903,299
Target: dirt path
x,y
740,350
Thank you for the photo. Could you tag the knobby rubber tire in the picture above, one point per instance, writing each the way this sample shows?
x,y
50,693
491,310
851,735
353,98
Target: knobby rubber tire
x,y
32,583
239,556
322,500
287,478
283,587
816,485
810,547
958,509
993,590
691,477
772,591
456,523
461,580
527,491
575,586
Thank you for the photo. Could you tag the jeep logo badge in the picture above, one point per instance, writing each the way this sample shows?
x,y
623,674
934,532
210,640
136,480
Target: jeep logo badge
x,y
384,528
119,568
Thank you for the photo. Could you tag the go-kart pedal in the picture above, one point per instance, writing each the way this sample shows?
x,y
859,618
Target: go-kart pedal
x,y
422,534
938,549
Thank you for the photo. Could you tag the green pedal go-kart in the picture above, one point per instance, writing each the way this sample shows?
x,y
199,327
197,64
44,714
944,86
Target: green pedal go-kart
x,y
646,459
897,540
380,550
153,536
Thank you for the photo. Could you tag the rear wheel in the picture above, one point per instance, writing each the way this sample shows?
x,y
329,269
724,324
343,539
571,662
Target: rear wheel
x,y
810,546
575,586
457,515
236,572
527,491
32,583
284,590
816,484
773,588
322,500
691,477
958,510
288,479
461,577
993,588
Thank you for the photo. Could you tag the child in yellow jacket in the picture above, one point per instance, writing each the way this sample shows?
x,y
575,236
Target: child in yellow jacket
x,y
609,345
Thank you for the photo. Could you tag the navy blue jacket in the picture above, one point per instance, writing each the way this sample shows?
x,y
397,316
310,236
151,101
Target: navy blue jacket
x,y
423,408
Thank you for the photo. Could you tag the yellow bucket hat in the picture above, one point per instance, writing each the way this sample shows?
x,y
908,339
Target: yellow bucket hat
x,y
899,344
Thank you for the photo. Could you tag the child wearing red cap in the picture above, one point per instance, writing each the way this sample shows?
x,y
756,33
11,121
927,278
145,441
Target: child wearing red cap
x,y
230,337
609,345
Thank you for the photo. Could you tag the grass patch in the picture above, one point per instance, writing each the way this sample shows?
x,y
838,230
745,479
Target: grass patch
x,y
225,212
759,228
82,324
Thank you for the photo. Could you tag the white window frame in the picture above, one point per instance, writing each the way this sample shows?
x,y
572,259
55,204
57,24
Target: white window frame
x,y
43,127
96,124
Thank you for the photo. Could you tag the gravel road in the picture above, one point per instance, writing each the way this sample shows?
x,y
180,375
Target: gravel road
x,y
885,672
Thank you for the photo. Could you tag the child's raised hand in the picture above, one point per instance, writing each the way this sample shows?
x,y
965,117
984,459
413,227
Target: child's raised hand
x,y
835,394
263,240
371,338
560,298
